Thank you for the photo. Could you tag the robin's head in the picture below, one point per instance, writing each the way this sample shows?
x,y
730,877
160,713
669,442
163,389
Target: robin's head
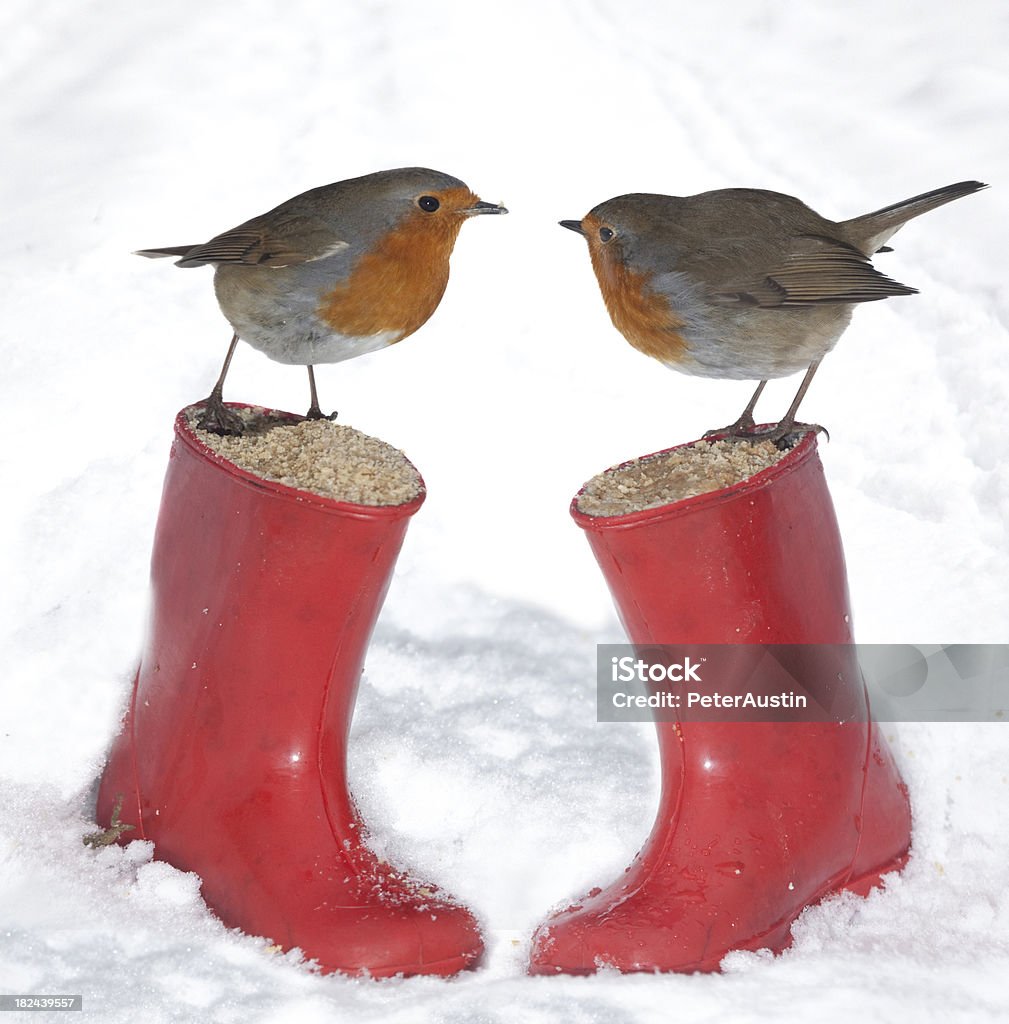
x,y
628,246
419,201
619,230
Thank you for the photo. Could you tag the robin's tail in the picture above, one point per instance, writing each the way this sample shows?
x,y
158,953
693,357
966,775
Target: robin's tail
x,y
170,250
871,231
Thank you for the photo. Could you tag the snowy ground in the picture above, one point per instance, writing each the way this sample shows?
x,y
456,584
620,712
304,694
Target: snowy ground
x,y
133,125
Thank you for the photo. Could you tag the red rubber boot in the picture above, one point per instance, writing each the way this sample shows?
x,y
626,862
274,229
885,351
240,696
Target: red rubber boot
x,y
756,820
232,757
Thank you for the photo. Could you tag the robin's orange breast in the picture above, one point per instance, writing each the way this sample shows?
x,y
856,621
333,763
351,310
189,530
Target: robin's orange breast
x,y
398,283
643,316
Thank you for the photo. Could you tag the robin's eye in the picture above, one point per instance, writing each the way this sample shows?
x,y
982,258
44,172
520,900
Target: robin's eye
x,y
428,204
605,234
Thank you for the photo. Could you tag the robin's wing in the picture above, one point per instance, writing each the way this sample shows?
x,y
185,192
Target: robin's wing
x,y
285,243
816,270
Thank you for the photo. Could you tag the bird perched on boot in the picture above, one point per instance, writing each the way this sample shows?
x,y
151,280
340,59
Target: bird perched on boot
x,y
742,283
335,272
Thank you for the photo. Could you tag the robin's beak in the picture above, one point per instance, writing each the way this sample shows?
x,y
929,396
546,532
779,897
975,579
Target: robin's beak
x,y
482,207
572,225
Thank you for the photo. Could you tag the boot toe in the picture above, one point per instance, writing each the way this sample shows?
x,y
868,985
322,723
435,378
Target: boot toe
x,y
627,938
388,939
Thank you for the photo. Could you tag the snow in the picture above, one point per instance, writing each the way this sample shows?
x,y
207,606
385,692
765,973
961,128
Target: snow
x,y
475,753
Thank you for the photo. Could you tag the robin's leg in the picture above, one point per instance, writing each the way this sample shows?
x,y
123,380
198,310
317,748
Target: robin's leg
x,y
743,427
216,417
787,425
314,412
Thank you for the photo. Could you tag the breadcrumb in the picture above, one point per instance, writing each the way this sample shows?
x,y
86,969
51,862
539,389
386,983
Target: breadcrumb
x,y
658,480
320,456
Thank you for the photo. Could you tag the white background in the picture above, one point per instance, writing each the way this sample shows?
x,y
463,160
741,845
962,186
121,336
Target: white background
x,y
475,755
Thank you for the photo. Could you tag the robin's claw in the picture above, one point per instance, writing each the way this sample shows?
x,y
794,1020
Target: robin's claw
x,y
783,435
219,419
315,413
741,430
793,435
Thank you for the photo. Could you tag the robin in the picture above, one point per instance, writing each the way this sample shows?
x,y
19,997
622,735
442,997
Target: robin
x,y
742,283
335,272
